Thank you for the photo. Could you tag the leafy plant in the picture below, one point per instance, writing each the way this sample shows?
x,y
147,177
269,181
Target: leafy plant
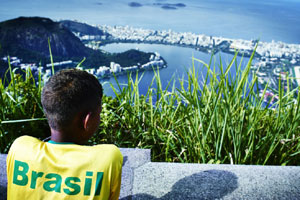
x,y
20,110
218,119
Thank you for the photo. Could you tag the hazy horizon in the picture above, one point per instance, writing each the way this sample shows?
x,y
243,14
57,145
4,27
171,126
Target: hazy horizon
x,y
269,20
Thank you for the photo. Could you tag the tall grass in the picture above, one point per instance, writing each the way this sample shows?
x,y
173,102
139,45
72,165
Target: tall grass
x,y
20,108
219,118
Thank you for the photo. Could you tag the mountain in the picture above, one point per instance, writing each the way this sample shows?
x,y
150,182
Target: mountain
x,y
27,38
81,28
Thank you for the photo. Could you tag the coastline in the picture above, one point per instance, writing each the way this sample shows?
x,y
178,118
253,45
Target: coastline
x,y
275,60
155,61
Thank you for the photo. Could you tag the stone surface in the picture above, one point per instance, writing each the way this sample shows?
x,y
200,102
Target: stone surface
x,y
142,179
200,181
3,178
132,158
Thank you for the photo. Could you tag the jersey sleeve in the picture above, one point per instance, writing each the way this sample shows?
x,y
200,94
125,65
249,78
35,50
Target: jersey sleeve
x,y
16,147
17,150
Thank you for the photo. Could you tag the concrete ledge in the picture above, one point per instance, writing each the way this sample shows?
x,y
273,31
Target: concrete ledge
x,y
201,181
3,179
132,159
142,179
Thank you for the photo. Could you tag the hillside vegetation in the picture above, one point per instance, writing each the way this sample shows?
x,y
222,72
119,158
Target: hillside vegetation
x,y
27,38
218,119
81,28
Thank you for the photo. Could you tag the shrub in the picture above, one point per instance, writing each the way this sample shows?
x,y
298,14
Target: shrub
x,y
218,119
20,110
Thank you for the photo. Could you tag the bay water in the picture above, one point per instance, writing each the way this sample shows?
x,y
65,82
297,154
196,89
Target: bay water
x,y
266,20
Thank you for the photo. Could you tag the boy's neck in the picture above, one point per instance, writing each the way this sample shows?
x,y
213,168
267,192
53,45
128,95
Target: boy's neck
x,y
59,136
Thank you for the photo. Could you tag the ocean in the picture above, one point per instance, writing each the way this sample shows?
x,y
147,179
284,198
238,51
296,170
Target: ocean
x,y
268,20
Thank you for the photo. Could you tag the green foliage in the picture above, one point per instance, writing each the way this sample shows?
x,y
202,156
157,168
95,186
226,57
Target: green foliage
x,y
28,38
130,57
21,112
125,59
220,119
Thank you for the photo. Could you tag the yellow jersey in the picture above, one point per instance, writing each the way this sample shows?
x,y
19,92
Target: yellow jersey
x,y
50,170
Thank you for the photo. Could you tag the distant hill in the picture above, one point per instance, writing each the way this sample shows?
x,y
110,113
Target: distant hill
x,y
27,38
81,28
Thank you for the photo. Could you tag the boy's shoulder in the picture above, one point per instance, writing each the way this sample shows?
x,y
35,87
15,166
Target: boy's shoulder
x,y
106,146
110,149
29,148
27,144
26,138
23,142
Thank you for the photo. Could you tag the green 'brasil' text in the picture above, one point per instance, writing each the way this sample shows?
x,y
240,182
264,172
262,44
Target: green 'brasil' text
x,y
53,181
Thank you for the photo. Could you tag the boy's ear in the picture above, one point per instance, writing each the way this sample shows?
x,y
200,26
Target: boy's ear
x,y
86,121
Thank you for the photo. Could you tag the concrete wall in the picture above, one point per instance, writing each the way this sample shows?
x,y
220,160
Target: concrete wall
x,y
143,179
3,180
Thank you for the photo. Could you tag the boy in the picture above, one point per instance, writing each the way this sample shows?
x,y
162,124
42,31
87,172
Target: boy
x,y
63,168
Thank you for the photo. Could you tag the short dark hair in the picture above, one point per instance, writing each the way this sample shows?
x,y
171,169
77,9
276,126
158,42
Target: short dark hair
x,y
68,93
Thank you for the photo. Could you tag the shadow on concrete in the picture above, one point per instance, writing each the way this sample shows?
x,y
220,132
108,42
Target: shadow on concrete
x,y
125,158
3,191
3,178
210,184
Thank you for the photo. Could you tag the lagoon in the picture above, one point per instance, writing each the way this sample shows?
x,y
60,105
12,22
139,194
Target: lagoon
x,y
179,61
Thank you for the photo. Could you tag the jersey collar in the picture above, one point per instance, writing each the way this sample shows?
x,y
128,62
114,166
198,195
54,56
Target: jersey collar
x,y
53,142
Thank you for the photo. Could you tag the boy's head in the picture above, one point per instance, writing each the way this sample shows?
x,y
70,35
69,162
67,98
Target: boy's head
x,y
68,94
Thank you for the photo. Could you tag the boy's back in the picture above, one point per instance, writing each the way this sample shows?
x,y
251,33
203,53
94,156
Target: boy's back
x,y
48,170
63,168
